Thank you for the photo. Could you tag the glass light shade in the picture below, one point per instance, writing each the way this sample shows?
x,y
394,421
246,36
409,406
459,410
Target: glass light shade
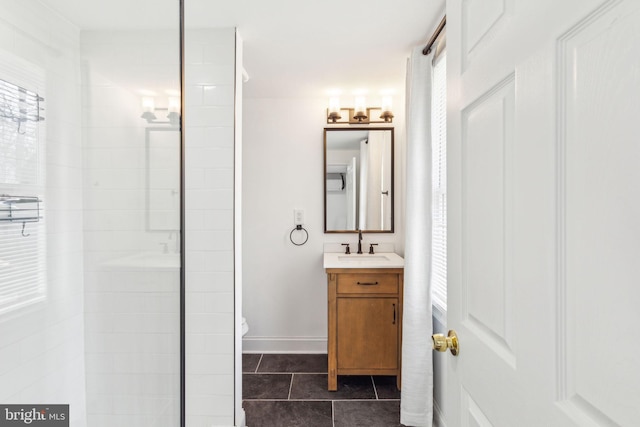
x,y
174,105
334,105
360,105
148,104
387,103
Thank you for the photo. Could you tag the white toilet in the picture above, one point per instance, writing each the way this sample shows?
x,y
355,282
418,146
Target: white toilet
x,y
245,327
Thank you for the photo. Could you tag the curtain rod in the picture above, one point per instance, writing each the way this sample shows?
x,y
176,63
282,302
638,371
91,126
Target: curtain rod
x,y
434,36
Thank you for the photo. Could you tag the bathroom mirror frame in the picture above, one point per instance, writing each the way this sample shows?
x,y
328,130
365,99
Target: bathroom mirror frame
x,y
391,190
151,191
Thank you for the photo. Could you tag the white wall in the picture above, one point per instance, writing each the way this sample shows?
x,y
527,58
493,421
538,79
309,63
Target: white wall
x,y
209,143
42,347
284,286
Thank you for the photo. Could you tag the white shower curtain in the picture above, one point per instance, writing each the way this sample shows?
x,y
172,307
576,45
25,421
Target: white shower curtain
x,y
416,407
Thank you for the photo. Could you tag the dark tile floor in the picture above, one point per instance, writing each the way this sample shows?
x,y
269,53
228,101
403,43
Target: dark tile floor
x,y
290,390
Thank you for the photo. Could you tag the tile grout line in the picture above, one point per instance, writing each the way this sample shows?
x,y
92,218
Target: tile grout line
x,y
290,386
258,365
375,390
333,414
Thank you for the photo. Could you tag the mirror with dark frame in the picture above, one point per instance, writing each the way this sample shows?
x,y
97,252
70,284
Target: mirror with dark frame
x,y
163,178
358,180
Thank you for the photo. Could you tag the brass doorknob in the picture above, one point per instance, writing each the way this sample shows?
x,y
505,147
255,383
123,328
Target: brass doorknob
x,y
442,343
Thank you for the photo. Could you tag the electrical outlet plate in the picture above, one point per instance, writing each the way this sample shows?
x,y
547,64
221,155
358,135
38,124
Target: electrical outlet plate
x,y
298,216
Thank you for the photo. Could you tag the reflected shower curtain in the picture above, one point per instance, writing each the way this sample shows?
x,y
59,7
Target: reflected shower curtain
x,y
374,181
416,407
364,182
350,193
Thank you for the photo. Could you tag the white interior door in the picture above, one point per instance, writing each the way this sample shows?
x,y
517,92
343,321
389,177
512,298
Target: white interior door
x,y
544,213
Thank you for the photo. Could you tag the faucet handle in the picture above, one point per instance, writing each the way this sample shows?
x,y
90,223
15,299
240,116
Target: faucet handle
x,y
371,245
347,250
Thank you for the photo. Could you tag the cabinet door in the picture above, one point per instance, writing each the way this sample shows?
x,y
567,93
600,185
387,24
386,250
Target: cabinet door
x,y
367,333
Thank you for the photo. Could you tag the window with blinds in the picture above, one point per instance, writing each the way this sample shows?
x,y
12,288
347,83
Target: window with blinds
x,y
19,117
22,227
439,190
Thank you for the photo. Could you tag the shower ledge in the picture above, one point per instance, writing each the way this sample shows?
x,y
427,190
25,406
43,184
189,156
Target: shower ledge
x,y
145,261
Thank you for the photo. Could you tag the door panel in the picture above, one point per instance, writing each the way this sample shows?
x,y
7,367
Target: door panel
x,y
367,333
599,188
472,414
544,201
487,138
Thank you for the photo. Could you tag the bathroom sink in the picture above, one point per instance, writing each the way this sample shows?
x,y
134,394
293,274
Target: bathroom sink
x,y
380,260
360,258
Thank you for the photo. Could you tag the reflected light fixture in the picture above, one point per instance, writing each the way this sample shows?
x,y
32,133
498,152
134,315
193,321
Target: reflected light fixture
x,y
360,114
174,110
148,107
149,111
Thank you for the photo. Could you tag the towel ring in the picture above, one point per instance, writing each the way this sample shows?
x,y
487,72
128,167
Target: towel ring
x,y
299,227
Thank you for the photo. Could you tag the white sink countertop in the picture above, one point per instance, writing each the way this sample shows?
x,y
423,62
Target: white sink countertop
x,y
378,260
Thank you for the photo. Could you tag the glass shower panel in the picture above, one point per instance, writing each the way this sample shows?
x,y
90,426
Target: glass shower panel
x,y
90,201
131,206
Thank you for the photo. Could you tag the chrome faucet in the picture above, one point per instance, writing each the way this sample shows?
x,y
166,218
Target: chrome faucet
x,y
359,241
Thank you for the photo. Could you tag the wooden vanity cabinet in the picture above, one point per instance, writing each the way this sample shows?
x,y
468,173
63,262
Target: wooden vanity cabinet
x,y
365,322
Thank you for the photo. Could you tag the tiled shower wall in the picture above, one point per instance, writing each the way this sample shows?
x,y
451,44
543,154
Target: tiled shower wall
x,y
132,275
42,347
132,313
210,76
131,316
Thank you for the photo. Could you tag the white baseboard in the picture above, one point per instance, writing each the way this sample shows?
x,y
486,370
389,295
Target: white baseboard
x,y
438,418
242,422
284,344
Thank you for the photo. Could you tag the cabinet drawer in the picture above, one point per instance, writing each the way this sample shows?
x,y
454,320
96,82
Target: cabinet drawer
x,y
363,283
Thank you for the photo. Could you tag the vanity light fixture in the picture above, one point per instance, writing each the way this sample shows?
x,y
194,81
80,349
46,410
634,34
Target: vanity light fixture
x,y
333,113
361,114
173,111
387,106
361,109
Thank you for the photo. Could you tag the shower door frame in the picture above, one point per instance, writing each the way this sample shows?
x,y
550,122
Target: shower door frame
x,y
183,373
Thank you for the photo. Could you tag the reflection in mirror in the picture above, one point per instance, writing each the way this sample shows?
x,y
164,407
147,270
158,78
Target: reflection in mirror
x,y
163,178
358,180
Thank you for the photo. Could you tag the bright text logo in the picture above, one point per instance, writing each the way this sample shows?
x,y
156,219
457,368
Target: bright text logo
x,y
34,415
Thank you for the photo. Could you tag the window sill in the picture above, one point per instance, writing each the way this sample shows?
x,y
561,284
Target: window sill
x,y
440,314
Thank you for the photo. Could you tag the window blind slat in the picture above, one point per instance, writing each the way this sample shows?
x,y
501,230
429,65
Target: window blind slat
x,y
22,265
439,188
